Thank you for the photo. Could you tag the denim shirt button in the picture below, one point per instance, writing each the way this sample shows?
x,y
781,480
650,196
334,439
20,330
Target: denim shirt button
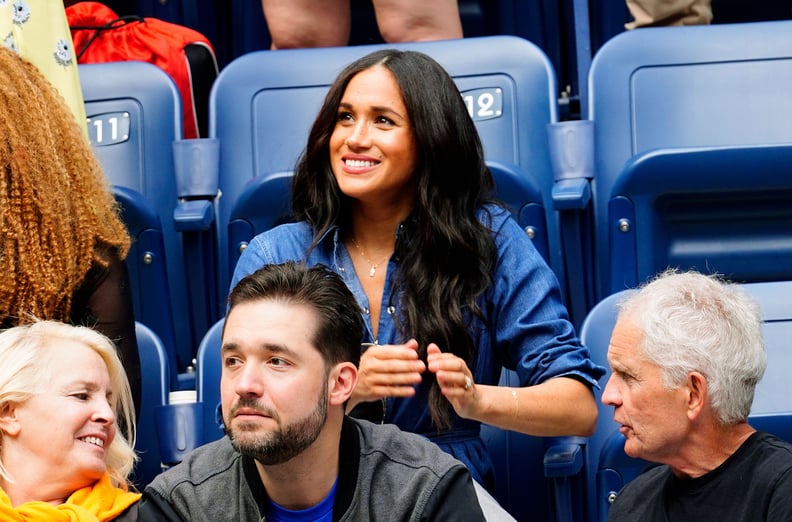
x,y
341,269
365,310
391,309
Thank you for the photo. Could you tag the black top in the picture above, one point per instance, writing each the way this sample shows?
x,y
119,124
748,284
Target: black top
x,y
104,302
754,484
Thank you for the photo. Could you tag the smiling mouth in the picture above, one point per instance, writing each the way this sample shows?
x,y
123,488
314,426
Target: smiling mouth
x,y
96,441
359,164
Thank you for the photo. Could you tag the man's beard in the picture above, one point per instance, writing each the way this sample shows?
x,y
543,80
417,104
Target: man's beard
x,y
284,443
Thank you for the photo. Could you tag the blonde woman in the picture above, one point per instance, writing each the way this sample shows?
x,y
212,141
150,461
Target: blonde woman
x,y
63,393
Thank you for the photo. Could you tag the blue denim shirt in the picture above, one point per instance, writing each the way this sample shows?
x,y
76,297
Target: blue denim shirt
x,y
525,327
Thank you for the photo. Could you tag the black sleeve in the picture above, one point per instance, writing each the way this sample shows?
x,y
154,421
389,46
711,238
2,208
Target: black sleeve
x,y
454,499
780,507
152,507
104,302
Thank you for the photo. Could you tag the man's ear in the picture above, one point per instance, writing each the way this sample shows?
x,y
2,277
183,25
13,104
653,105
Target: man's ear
x,y
9,424
697,394
343,378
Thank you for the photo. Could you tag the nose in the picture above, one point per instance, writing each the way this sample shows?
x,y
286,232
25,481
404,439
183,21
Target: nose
x,y
249,383
610,395
103,413
359,137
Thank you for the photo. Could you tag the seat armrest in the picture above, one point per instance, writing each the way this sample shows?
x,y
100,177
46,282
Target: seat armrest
x,y
564,458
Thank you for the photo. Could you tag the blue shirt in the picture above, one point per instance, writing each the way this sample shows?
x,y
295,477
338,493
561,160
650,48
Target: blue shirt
x,y
322,512
525,326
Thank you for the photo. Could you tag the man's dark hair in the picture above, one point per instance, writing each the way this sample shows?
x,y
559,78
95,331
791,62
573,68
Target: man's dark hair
x,y
339,328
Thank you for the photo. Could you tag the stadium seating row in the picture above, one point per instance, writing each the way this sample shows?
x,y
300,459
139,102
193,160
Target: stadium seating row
x,y
568,32
238,27
680,162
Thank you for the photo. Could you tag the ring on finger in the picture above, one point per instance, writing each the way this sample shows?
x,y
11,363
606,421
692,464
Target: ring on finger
x,y
468,382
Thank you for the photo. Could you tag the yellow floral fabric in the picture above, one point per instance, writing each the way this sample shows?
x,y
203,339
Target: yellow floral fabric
x,y
38,31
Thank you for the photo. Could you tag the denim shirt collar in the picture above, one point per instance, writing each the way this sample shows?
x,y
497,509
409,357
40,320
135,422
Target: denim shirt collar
x,y
334,250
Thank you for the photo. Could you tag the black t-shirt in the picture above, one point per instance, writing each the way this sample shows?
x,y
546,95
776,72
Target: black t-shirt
x,y
754,484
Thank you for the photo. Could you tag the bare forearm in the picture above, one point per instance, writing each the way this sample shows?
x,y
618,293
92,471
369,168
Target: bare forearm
x,y
557,407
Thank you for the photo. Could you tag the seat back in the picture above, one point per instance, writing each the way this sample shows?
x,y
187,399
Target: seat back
x,y
155,376
608,468
147,270
207,381
691,146
134,116
772,394
521,487
508,83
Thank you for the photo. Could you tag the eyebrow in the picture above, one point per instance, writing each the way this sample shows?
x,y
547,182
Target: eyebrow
x,y
623,369
375,108
615,365
81,384
265,347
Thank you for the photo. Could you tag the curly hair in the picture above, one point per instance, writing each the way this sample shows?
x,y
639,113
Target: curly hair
x,y
57,214
446,254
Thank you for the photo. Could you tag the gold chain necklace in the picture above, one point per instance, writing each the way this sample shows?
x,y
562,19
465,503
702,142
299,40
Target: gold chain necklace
x,y
372,266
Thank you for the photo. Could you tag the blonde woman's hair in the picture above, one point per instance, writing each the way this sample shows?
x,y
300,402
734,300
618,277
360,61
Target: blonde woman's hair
x,y
58,217
24,358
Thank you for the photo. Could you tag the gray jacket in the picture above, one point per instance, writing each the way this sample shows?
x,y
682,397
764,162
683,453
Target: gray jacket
x,y
385,474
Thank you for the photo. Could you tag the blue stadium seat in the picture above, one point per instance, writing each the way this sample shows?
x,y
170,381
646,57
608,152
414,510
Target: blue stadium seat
x,y
258,146
146,266
555,494
134,116
608,468
692,144
207,382
772,394
264,204
156,385
597,21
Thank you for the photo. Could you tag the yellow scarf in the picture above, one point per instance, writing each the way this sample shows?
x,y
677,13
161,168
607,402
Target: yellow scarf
x,y
97,503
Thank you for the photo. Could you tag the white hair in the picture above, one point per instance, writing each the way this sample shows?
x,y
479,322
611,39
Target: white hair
x,y
694,322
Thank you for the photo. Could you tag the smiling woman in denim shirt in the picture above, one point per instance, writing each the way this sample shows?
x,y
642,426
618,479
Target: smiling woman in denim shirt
x,y
393,194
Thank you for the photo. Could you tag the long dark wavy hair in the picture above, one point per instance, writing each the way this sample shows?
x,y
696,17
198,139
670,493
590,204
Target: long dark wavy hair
x,y
446,256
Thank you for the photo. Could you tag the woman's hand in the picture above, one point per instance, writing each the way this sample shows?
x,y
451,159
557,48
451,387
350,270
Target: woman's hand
x,y
455,380
389,370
